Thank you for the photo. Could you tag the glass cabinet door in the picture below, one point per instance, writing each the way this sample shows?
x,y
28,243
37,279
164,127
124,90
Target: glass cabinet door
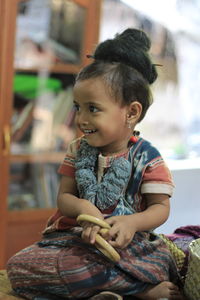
x,y
48,53
49,32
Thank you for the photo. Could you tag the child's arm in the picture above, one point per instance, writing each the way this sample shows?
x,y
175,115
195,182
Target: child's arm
x,y
68,202
124,227
156,213
71,205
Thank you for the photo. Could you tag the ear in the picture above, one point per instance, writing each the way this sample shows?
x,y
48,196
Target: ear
x,y
134,112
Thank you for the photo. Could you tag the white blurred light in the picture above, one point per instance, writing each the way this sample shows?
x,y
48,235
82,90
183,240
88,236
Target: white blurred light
x,y
168,14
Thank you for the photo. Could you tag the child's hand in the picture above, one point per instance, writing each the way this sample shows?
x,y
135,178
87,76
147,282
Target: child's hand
x,y
89,232
89,229
122,231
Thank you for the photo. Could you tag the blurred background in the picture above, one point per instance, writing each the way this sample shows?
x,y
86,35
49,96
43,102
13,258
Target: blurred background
x,y
173,27
44,48
172,123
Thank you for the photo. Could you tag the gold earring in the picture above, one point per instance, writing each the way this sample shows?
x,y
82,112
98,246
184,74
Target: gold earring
x,y
128,124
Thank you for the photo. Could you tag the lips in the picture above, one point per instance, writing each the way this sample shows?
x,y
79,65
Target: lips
x,y
88,131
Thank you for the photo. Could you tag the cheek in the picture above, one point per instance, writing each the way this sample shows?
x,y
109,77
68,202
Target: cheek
x,y
76,119
119,120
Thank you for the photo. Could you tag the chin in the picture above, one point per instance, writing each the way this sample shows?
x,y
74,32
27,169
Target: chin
x,y
93,142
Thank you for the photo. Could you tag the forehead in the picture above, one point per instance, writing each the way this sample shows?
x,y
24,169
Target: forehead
x,y
93,87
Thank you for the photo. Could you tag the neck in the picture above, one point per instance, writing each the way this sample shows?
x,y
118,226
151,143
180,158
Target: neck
x,y
115,149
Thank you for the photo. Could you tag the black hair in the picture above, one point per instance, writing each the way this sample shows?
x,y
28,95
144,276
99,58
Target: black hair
x,y
125,66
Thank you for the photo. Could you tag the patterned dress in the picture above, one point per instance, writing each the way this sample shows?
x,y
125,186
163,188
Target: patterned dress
x,y
62,266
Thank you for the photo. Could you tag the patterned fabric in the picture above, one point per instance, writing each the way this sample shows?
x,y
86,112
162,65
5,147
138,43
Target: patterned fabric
x,y
64,266
61,264
181,238
110,190
149,174
179,256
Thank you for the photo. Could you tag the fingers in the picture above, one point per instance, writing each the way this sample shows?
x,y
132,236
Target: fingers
x,y
119,238
120,235
120,241
104,232
111,220
94,231
174,292
89,233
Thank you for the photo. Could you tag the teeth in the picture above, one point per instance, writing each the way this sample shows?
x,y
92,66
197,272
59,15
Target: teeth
x,y
89,131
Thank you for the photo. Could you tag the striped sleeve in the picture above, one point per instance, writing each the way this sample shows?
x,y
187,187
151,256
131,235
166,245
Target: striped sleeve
x,y
67,167
157,178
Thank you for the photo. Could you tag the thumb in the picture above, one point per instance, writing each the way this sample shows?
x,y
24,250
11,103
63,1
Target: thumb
x,y
111,220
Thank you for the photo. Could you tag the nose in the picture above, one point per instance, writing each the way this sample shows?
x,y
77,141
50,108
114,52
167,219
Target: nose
x,y
81,118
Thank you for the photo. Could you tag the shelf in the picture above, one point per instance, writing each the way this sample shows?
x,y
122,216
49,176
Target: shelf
x,y
58,68
48,157
26,173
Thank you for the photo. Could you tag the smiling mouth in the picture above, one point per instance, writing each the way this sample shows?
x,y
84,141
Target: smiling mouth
x,y
88,131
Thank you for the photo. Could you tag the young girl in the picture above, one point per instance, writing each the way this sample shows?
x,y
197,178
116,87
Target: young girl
x,y
114,175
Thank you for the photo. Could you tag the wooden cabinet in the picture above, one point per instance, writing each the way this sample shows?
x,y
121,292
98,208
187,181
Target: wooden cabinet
x,y
43,44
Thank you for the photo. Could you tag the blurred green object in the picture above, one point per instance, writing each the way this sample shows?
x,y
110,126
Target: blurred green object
x,y
31,86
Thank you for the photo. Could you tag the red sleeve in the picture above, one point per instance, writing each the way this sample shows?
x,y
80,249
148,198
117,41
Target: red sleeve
x,y
157,179
67,167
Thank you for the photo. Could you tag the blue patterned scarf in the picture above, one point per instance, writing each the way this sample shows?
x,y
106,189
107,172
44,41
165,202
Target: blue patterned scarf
x,y
112,187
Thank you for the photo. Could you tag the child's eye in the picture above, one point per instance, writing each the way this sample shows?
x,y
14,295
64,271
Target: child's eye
x,y
76,107
93,108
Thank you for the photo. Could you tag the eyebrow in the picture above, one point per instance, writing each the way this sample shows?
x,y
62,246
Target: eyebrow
x,y
89,103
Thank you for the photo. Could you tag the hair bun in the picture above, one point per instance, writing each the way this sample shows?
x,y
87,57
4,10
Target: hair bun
x,y
137,37
131,48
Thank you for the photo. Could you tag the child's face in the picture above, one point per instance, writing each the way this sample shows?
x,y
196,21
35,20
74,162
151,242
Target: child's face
x,y
100,117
